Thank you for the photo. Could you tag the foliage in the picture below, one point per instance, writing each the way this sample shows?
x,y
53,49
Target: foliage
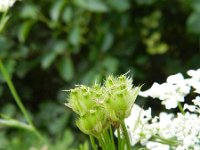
x,y
48,46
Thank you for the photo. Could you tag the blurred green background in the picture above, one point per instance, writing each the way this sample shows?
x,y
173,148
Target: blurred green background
x,y
51,45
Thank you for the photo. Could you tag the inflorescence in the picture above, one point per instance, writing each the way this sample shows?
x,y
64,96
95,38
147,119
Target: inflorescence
x,y
100,106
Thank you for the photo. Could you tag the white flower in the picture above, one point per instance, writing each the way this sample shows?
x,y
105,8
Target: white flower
x,y
6,4
176,79
157,146
195,84
191,108
132,123
134,117
184,129
196,101
178,131
164,125
170,103
153,91
136,125
169,93
194,81
195,74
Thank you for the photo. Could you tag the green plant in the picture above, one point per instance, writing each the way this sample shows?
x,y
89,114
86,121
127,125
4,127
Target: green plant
x,y
102,108
7,121
48,46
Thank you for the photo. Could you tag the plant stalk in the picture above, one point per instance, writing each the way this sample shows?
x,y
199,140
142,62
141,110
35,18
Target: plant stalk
x,y
18,100
125,133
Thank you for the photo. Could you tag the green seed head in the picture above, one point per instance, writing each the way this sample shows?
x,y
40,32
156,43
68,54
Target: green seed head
x,y
81,99
100,106
121,97
93,123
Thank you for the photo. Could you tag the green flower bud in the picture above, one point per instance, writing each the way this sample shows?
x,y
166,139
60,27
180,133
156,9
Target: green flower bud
x,y
83,99
99,106
93,123
121,97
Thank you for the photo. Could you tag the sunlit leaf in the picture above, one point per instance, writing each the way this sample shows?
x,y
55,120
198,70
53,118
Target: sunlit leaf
x,y
56,9
145,2
48,60
110,64
64,142
29,11
107,42
66,68
3,22
193,23
75,36
92,5
67,14
24,30
120,5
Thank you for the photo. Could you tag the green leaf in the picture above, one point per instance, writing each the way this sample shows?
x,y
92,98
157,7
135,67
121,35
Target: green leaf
x,y
145,2
195,4
9,110
65,142
193,23
23,67
67,14
119,5
66,68
3,22
108,41
91,76
29,11
92,5
159,48
8,122
84,146
110,64
75,36
60,47
56,9
48,60
10,66
3,140
24,30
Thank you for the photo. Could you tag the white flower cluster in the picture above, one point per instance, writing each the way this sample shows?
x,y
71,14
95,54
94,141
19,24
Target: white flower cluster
x,y
175,89
6,4
179,131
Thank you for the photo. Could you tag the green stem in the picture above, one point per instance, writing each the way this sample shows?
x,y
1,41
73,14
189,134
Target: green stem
x,y
119,139
17,99
102,143
48,22
3,20
14,93
39,135
181,108
164,141
126,135
93,143
112,138
106,140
